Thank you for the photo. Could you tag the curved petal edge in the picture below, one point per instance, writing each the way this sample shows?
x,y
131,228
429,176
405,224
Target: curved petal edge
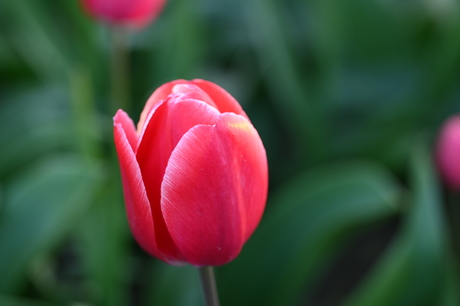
x,y
214,190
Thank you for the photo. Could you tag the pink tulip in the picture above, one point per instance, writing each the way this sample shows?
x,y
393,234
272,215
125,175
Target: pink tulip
x,y
448,152
194,174
131,13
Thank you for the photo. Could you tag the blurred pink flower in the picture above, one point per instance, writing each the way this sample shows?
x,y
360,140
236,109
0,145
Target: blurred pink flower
x,y
448,152
130,13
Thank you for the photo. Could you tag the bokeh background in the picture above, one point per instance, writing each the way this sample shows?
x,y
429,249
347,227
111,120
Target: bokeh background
x,y
348,97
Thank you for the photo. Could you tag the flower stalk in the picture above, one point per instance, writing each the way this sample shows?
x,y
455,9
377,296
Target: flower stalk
x,y
208,283
120,69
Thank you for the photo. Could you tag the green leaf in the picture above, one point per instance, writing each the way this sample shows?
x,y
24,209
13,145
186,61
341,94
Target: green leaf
x,y
304,226
181,48
9,300
1,200
41,207
31,29
175,286
103,235
412,270
37,121
266,28
451,294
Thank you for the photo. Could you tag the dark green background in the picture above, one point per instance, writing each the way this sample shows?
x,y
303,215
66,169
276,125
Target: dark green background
x,y
347,95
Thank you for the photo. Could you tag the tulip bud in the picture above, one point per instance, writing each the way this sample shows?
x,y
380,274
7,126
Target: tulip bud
x,y
130,13
448,152
194,174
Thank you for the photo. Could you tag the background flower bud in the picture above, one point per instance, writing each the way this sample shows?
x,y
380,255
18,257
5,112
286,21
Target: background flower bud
x,y
131,13
448,152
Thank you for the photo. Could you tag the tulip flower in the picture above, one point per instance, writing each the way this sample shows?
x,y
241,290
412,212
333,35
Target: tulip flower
x,y
448,152
194,174
130,13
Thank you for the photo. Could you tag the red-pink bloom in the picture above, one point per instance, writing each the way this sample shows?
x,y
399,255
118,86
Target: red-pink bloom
x,y
194,174
131,13
448,152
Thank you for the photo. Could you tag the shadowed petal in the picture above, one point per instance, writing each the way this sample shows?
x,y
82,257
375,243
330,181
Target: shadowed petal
x,y
137,204
155,99
191,91
163,130
214,190
128,126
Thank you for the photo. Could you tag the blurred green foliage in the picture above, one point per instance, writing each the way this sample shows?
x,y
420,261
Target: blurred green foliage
x,y
347,97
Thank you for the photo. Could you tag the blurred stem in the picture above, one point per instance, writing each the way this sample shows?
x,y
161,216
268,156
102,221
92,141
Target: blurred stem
x,y
208,282
84,111
120,70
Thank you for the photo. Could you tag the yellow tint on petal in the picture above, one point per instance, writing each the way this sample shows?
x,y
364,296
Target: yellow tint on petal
x,y
241,126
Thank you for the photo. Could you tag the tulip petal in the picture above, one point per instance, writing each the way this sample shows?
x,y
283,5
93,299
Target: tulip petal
x,y
154,101
214,190
448,152
137,204
137,13
144,12
128,126
191,91
224,101
165,127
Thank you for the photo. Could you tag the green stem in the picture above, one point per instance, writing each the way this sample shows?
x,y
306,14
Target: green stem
x,y
208,283
120,70
84,111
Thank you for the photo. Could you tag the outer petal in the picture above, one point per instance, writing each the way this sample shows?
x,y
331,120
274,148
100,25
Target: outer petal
x,y
155,99
164,129
128,126
214,190
224,101
191,91
137,204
